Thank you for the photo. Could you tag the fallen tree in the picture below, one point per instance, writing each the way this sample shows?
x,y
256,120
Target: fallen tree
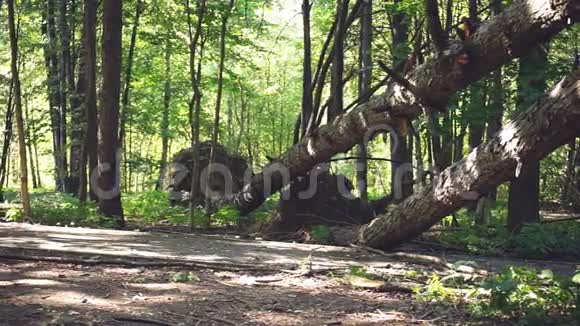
x,y
508,35
550,123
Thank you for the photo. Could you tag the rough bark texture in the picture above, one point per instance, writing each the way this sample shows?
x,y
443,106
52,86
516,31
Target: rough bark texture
x,y
524,191
90,51
109,181
508,35
548,124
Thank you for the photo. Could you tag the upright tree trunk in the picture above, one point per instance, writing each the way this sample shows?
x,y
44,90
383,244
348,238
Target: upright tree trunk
x,y
220,81
306,112
165,115
577,176
78,118
402,156
109,181
568,194
90,154
29,143
524,192
336,88
364,86
55,98
127,89
24,194
8,126
66,84
195,103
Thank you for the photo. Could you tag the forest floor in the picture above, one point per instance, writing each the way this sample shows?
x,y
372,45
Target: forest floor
x,y
104,277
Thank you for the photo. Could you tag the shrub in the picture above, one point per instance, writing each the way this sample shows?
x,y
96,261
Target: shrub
x,y
526,295
153,206
52,208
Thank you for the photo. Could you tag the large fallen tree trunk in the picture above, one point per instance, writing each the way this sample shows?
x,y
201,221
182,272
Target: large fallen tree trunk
x,y
550,123
508,35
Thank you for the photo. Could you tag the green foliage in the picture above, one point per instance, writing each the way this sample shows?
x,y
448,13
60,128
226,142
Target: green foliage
x,y
153,206
477,240
62,209
532,241
184,277
435,291
321,233
524,294
554,239
226,215
361,271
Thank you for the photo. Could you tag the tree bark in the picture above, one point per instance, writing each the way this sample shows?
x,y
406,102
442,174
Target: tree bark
x,y
165,115
438,35
55,97
364,86
24,194
8,131
66,85
401,177
521,141
77,178
220,81
127,89
529,23
109,181
336,88
524,191
577,177
195,103
306,112
90,155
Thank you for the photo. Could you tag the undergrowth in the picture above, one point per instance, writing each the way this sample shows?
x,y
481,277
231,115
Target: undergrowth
x,y
521,295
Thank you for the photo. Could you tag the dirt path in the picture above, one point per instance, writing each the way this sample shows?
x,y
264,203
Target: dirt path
x,y
41,293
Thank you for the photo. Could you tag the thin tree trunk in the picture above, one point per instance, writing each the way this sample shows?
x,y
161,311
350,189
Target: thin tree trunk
x,y
364,86
56,99
336,88
524,192
127,89
90,155
109,181
8,131
307,71
29,141
577,177
567,194
165,115
195,103
24,194
64,70
220,82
